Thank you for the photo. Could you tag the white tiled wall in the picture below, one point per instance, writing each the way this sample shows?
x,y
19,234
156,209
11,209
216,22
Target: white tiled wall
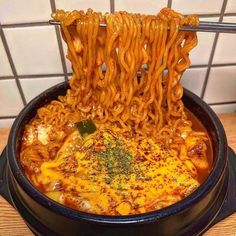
x,y
138,6
193,79
96,5
197,6
221,85
37,61
231,6
11,103
225,49
34,86
34,50
5,68
226,108
201,53
15,11
4,123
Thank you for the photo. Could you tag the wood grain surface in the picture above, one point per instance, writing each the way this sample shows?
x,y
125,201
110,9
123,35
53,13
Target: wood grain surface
x,y
11,223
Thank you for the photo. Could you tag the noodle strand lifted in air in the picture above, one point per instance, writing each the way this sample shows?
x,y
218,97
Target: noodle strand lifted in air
x,y
130,43
126,79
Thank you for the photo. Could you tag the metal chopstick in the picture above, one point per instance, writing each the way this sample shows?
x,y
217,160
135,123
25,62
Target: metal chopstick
x,y
227,24
204,26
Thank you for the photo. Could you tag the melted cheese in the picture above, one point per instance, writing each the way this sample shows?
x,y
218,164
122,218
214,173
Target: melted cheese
x,y
111,174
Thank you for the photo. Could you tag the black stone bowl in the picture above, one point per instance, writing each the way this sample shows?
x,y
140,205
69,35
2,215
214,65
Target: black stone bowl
x,y
191,216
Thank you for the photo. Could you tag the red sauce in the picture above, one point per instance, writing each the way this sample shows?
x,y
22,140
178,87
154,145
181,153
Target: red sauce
x,y
198,126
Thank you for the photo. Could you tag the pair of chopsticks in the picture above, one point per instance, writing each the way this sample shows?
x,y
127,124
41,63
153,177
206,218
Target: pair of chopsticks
x,y
204,26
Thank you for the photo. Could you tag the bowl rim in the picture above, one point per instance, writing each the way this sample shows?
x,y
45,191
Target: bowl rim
x,y
40,198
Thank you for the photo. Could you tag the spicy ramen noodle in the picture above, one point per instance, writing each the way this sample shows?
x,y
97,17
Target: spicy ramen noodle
x,y
143,154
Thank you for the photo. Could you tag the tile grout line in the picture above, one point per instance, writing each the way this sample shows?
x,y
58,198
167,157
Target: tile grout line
x,y
112,6
7,77
221,103
30,76
169,3
197,66
40,76
7,117
213,65
4,41
223,64
213,52
59,42
230,14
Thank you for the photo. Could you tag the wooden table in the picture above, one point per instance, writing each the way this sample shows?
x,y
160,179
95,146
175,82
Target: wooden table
x,y
11,223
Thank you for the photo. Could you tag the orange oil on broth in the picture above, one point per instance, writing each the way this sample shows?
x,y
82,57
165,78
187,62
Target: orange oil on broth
x,y
114,174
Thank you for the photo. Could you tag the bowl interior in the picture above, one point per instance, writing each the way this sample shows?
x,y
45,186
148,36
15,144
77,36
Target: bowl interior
x,y
193,103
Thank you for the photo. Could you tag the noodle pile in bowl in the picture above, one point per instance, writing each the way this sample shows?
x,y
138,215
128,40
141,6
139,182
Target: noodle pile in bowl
x,y
126,79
